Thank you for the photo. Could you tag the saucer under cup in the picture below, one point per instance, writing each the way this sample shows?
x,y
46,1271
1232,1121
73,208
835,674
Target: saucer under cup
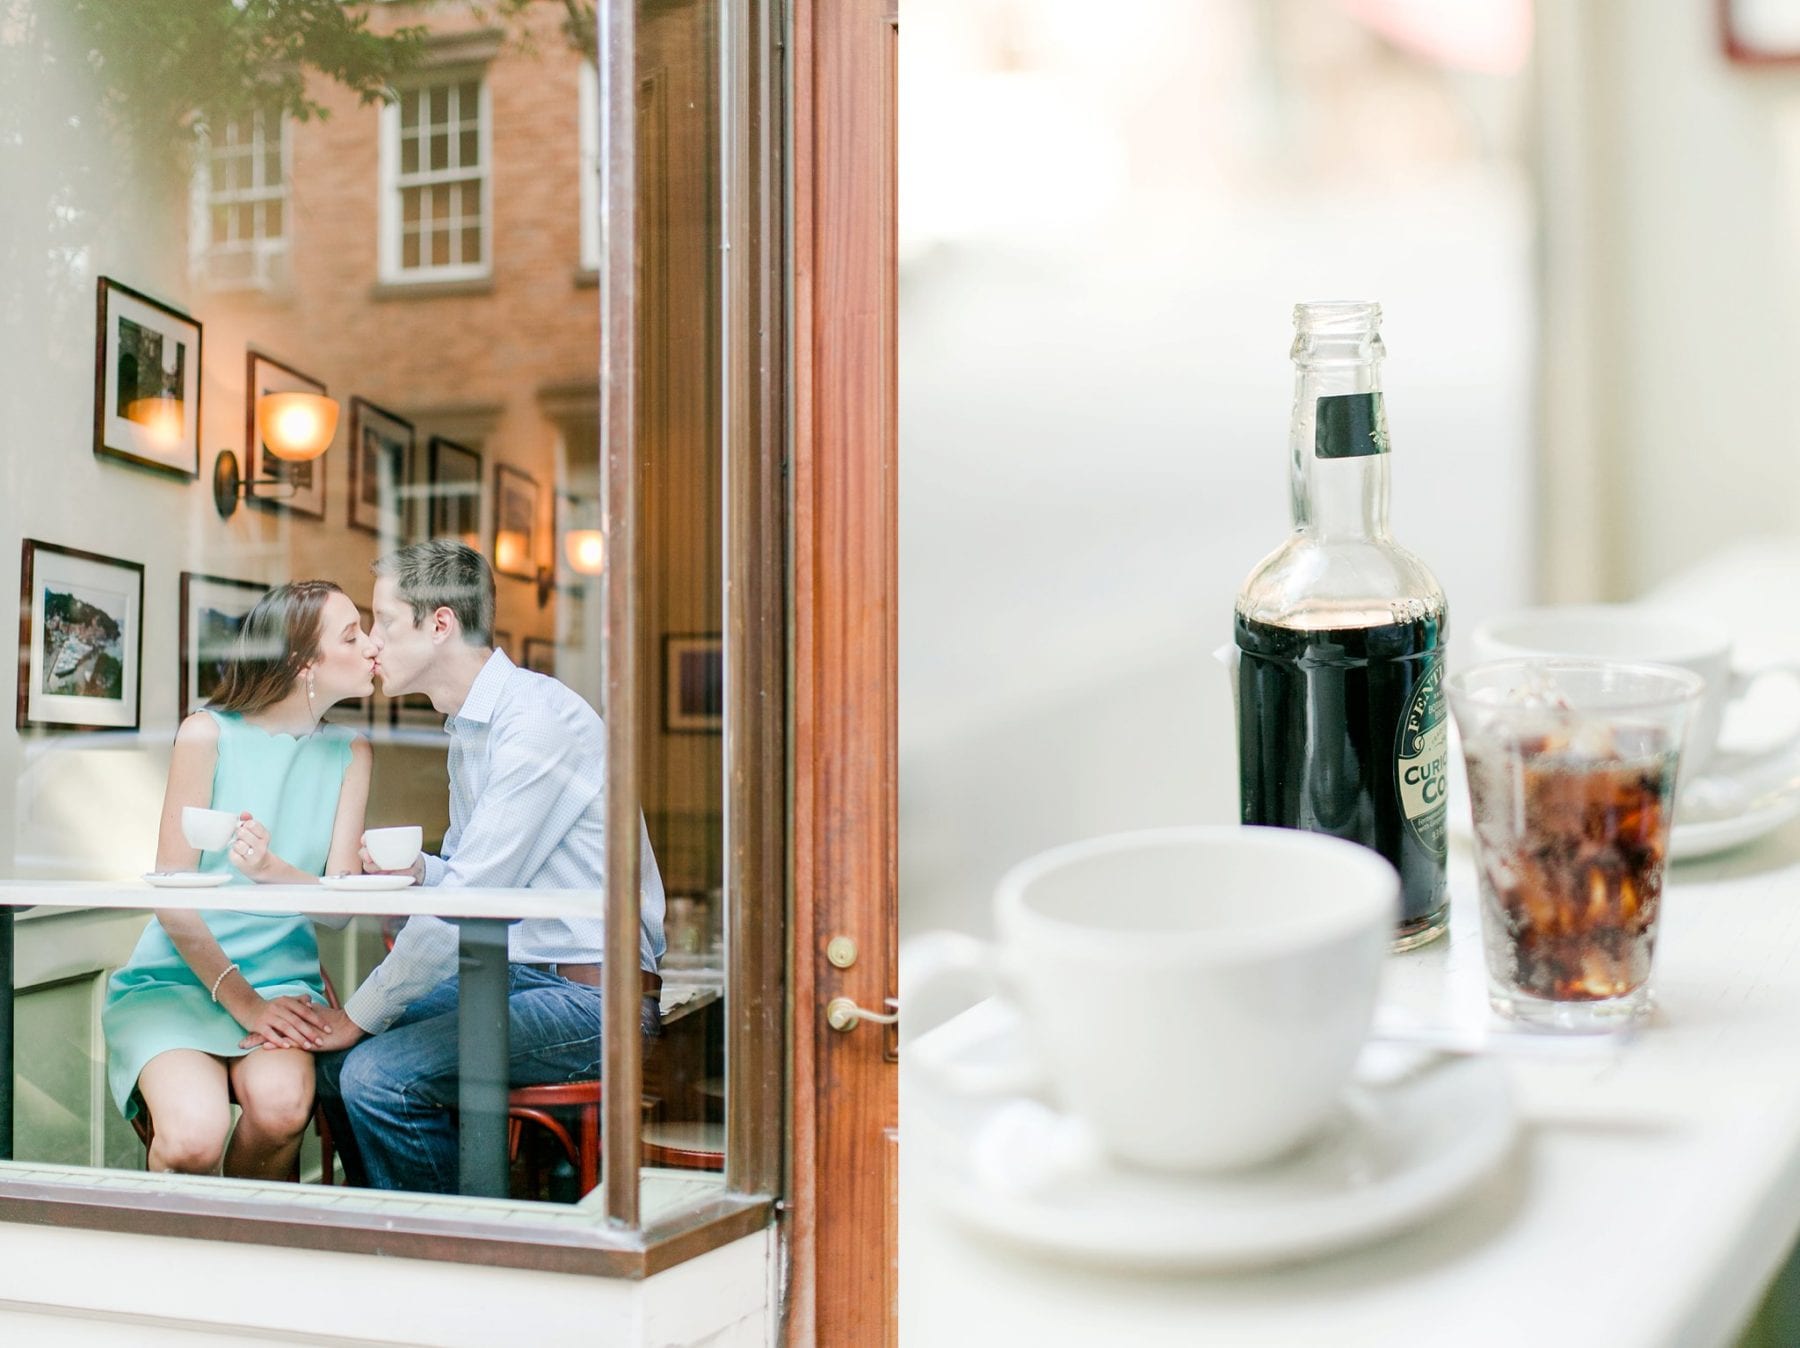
x,y
366,884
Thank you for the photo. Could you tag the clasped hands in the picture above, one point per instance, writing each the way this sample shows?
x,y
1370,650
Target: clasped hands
x,y
297,1022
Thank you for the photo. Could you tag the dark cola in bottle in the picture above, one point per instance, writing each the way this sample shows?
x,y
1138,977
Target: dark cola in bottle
x,y
1342,720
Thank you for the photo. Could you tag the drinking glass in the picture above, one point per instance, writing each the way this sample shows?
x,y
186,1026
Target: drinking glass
x,y
1572,770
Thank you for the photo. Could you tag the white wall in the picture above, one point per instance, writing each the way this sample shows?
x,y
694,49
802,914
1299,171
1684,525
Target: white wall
x,y
1672,298
157,1291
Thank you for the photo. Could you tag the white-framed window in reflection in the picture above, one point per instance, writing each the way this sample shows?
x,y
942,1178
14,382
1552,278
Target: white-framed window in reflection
x,y
241,217
587,117
436,202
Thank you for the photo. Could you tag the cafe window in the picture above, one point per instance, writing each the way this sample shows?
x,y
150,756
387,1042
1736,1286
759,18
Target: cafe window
x,y
220,449
435,153
241,225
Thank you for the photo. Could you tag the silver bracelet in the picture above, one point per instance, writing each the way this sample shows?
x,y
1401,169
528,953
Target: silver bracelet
x,y
220,979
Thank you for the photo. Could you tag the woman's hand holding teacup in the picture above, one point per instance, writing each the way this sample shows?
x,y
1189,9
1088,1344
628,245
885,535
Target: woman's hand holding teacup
x,y
250,850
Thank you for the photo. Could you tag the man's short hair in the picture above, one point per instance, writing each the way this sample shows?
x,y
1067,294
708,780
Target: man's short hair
x,y
443,573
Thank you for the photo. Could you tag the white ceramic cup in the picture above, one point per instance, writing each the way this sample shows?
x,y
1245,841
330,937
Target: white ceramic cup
x,y
209,830
394,849
1197,995
1634,633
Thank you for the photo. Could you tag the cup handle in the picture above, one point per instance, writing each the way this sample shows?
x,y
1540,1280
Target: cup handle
x,y
942,974
1743,680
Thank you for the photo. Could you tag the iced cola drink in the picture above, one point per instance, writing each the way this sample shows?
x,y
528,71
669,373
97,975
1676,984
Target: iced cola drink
x,y
1572,770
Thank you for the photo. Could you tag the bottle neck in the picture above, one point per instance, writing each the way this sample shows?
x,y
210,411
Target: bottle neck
x,y
1338,450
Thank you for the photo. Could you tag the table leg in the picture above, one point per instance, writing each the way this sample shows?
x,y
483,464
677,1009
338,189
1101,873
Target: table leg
x,y
482,1044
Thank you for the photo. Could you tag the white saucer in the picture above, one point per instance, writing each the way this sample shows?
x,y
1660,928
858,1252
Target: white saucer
x,y
367,883
1405,1144
187,879
1740,798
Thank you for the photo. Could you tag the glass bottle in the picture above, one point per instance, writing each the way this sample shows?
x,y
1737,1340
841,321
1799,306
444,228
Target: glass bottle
x,y
1341,712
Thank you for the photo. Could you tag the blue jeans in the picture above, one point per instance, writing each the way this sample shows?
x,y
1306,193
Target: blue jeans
x,y
391,1098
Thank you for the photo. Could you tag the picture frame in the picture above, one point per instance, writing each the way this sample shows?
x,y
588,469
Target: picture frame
x,y
81,639
540,656
503,642
453,491
381,453
694,684
516,510
1760,32
264,474
213,609
147,365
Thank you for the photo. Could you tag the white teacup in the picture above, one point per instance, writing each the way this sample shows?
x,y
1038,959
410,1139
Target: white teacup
x,y
209,830
1634,633
394,849
1197,995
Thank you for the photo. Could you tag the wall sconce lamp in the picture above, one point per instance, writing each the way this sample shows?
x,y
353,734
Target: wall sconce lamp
x,y
586,551
293,426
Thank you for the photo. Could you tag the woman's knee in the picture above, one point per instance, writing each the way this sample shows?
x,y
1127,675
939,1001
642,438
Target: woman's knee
x,y
188,1145
280,1107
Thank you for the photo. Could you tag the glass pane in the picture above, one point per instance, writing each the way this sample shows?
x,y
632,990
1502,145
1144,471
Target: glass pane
x,y
428,422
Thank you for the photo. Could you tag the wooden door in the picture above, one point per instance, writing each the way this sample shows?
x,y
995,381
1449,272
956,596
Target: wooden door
x,y
844,1146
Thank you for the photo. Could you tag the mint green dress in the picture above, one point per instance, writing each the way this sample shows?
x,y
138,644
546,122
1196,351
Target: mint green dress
x,y
155,1002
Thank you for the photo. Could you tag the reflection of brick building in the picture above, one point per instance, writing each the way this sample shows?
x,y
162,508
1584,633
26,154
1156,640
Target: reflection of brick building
x,y
436,257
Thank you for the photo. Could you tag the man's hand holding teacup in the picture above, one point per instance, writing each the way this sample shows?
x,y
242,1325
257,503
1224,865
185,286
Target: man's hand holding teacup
x,y
416,870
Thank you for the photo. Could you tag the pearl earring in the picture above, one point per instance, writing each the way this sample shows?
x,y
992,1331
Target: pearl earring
x,y
310,705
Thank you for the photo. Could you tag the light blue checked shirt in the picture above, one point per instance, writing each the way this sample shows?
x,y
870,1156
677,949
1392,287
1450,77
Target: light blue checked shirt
x,y
527,811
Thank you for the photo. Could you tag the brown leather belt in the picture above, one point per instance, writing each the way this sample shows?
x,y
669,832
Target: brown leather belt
x,y
589,974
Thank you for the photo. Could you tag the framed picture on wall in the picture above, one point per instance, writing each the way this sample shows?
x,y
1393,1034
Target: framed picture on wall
x,y
694,684
540,656
381,449
279,484
503,642
515,523
81,640
213,609
146,382
453,492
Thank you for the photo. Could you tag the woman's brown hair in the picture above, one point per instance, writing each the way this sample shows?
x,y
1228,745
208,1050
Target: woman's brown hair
x,y
279,638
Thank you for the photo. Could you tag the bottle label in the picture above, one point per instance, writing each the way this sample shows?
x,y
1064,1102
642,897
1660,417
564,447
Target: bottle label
x,y
1423,755
1350,425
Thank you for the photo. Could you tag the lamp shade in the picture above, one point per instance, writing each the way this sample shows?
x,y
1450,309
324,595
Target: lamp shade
x,y
586,551
296,426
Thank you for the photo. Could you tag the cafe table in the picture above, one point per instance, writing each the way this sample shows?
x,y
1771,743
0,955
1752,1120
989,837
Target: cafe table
x,y
481,916
1652,1194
